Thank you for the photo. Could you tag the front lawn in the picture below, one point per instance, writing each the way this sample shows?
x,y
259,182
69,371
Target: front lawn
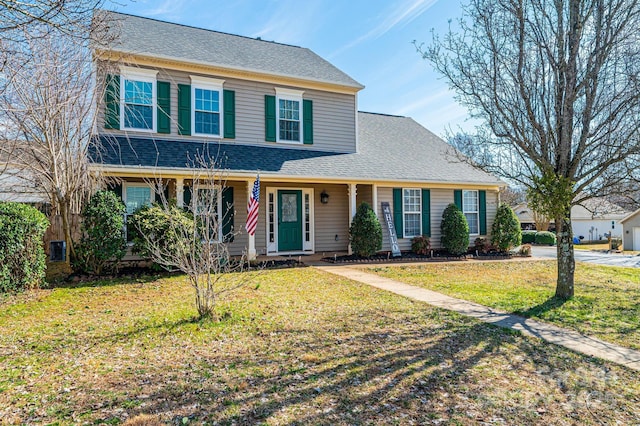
x,y
295,347
606,303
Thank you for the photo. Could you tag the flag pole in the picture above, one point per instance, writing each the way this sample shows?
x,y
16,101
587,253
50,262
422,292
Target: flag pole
x,y
252,213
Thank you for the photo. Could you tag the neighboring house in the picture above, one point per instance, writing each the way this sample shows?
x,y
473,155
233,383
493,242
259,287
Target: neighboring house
x,y
592,219
631,234
174,92
18,186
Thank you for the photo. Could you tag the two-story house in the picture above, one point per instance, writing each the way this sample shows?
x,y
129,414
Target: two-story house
x,y
174,92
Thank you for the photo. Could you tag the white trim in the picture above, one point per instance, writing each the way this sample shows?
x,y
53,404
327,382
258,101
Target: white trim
x,y
145,76
404,222
290,95
212,84
307,247
476,212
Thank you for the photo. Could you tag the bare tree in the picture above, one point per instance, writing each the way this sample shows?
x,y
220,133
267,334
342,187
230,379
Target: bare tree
x,y
47,116
556,84
192,240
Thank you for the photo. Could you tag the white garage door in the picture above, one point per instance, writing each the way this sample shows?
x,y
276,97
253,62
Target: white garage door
x,y
636,238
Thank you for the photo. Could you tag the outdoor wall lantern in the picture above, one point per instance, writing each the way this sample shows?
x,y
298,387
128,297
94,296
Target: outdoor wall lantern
x,y
324,197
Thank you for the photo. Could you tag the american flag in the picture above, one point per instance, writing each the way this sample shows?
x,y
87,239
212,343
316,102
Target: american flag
x,y
252,207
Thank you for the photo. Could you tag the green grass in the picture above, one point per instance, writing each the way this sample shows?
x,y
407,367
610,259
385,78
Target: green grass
x,y
295,347
606,303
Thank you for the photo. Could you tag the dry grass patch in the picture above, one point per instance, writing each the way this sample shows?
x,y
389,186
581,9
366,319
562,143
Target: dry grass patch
x,y
297,347
606,303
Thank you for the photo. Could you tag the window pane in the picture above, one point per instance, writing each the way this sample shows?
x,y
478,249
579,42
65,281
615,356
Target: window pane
x,y
207,122
138,92
470,201
207,100
472,219
138,116
289,130
289,113
289,207
137,196
411,224
411,200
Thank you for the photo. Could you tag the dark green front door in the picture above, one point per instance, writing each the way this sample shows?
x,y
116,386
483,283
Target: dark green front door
x,y
289,220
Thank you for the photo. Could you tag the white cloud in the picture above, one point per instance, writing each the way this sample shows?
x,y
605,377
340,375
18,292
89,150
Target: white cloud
x,y
166,9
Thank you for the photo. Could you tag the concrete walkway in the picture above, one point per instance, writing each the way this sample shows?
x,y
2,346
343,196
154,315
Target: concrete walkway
x,y
553,334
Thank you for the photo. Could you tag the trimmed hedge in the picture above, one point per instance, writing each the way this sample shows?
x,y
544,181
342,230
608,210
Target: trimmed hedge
x,y
455,230
365,233
529,237
22,257
545,237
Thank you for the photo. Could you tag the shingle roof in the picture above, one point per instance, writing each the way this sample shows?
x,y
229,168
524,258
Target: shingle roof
x,y
145,36
390,148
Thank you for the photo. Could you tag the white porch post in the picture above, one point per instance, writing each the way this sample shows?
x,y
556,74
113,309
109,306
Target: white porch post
x,y
374,198
251,251
352,191
180,192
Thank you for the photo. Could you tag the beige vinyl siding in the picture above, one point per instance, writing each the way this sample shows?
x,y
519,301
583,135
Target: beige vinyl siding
x,y
334,115
241,239
364,194
440,199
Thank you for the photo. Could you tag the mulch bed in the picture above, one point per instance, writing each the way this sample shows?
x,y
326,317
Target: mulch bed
x,y
438,256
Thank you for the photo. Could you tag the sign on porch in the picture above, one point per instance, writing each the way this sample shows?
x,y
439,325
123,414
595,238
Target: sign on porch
x,y
391,228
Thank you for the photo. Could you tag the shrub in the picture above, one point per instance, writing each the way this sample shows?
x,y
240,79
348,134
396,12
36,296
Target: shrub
x,y
529,237
505,231
455,230
481,245
102,244
421,245
365,233
167,227
545,237
22,257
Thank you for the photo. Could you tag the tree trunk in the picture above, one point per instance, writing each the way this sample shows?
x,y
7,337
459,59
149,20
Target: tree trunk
x,y
566,261
66,228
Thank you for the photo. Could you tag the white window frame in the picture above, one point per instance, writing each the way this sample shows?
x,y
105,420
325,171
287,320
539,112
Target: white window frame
x,y
289,95
466,210
145,76
125,186
196,187
307,246
404,212
212,84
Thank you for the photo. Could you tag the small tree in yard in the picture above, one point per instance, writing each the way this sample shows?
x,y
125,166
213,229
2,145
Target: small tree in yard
x,y
505,231
365,233
192,241
102,244
455,230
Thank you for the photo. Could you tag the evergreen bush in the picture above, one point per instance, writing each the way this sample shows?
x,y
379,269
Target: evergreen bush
x,y
546,237
102,244
505,231
365,233
455,231
529,237
22,256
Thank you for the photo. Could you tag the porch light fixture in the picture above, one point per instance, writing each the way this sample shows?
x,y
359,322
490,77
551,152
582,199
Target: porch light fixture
x,y
324,197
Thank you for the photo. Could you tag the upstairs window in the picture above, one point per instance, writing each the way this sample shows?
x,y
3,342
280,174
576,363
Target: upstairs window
x,y
207,106
289,114
138,99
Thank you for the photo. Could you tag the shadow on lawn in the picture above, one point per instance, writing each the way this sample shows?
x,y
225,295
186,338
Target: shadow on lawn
x,y
364,378
538,310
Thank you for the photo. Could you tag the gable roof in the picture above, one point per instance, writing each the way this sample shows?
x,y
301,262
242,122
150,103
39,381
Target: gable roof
x,y
159,39
391,148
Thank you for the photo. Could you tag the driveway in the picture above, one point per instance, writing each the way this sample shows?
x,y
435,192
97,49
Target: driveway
x,y
611,259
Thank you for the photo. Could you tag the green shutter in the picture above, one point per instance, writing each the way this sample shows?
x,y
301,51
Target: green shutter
x,y
164,107
426,212
482,199
184,109
186,197
165,192
116,189
307,121
457,198
112,102
229,100
270,118
227,216
397,212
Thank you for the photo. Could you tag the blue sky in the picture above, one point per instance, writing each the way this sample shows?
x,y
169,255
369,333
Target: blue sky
x,y
371,40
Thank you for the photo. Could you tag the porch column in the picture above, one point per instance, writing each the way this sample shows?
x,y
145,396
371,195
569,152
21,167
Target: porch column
x,y
374,198
180,192
352,190
251,251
